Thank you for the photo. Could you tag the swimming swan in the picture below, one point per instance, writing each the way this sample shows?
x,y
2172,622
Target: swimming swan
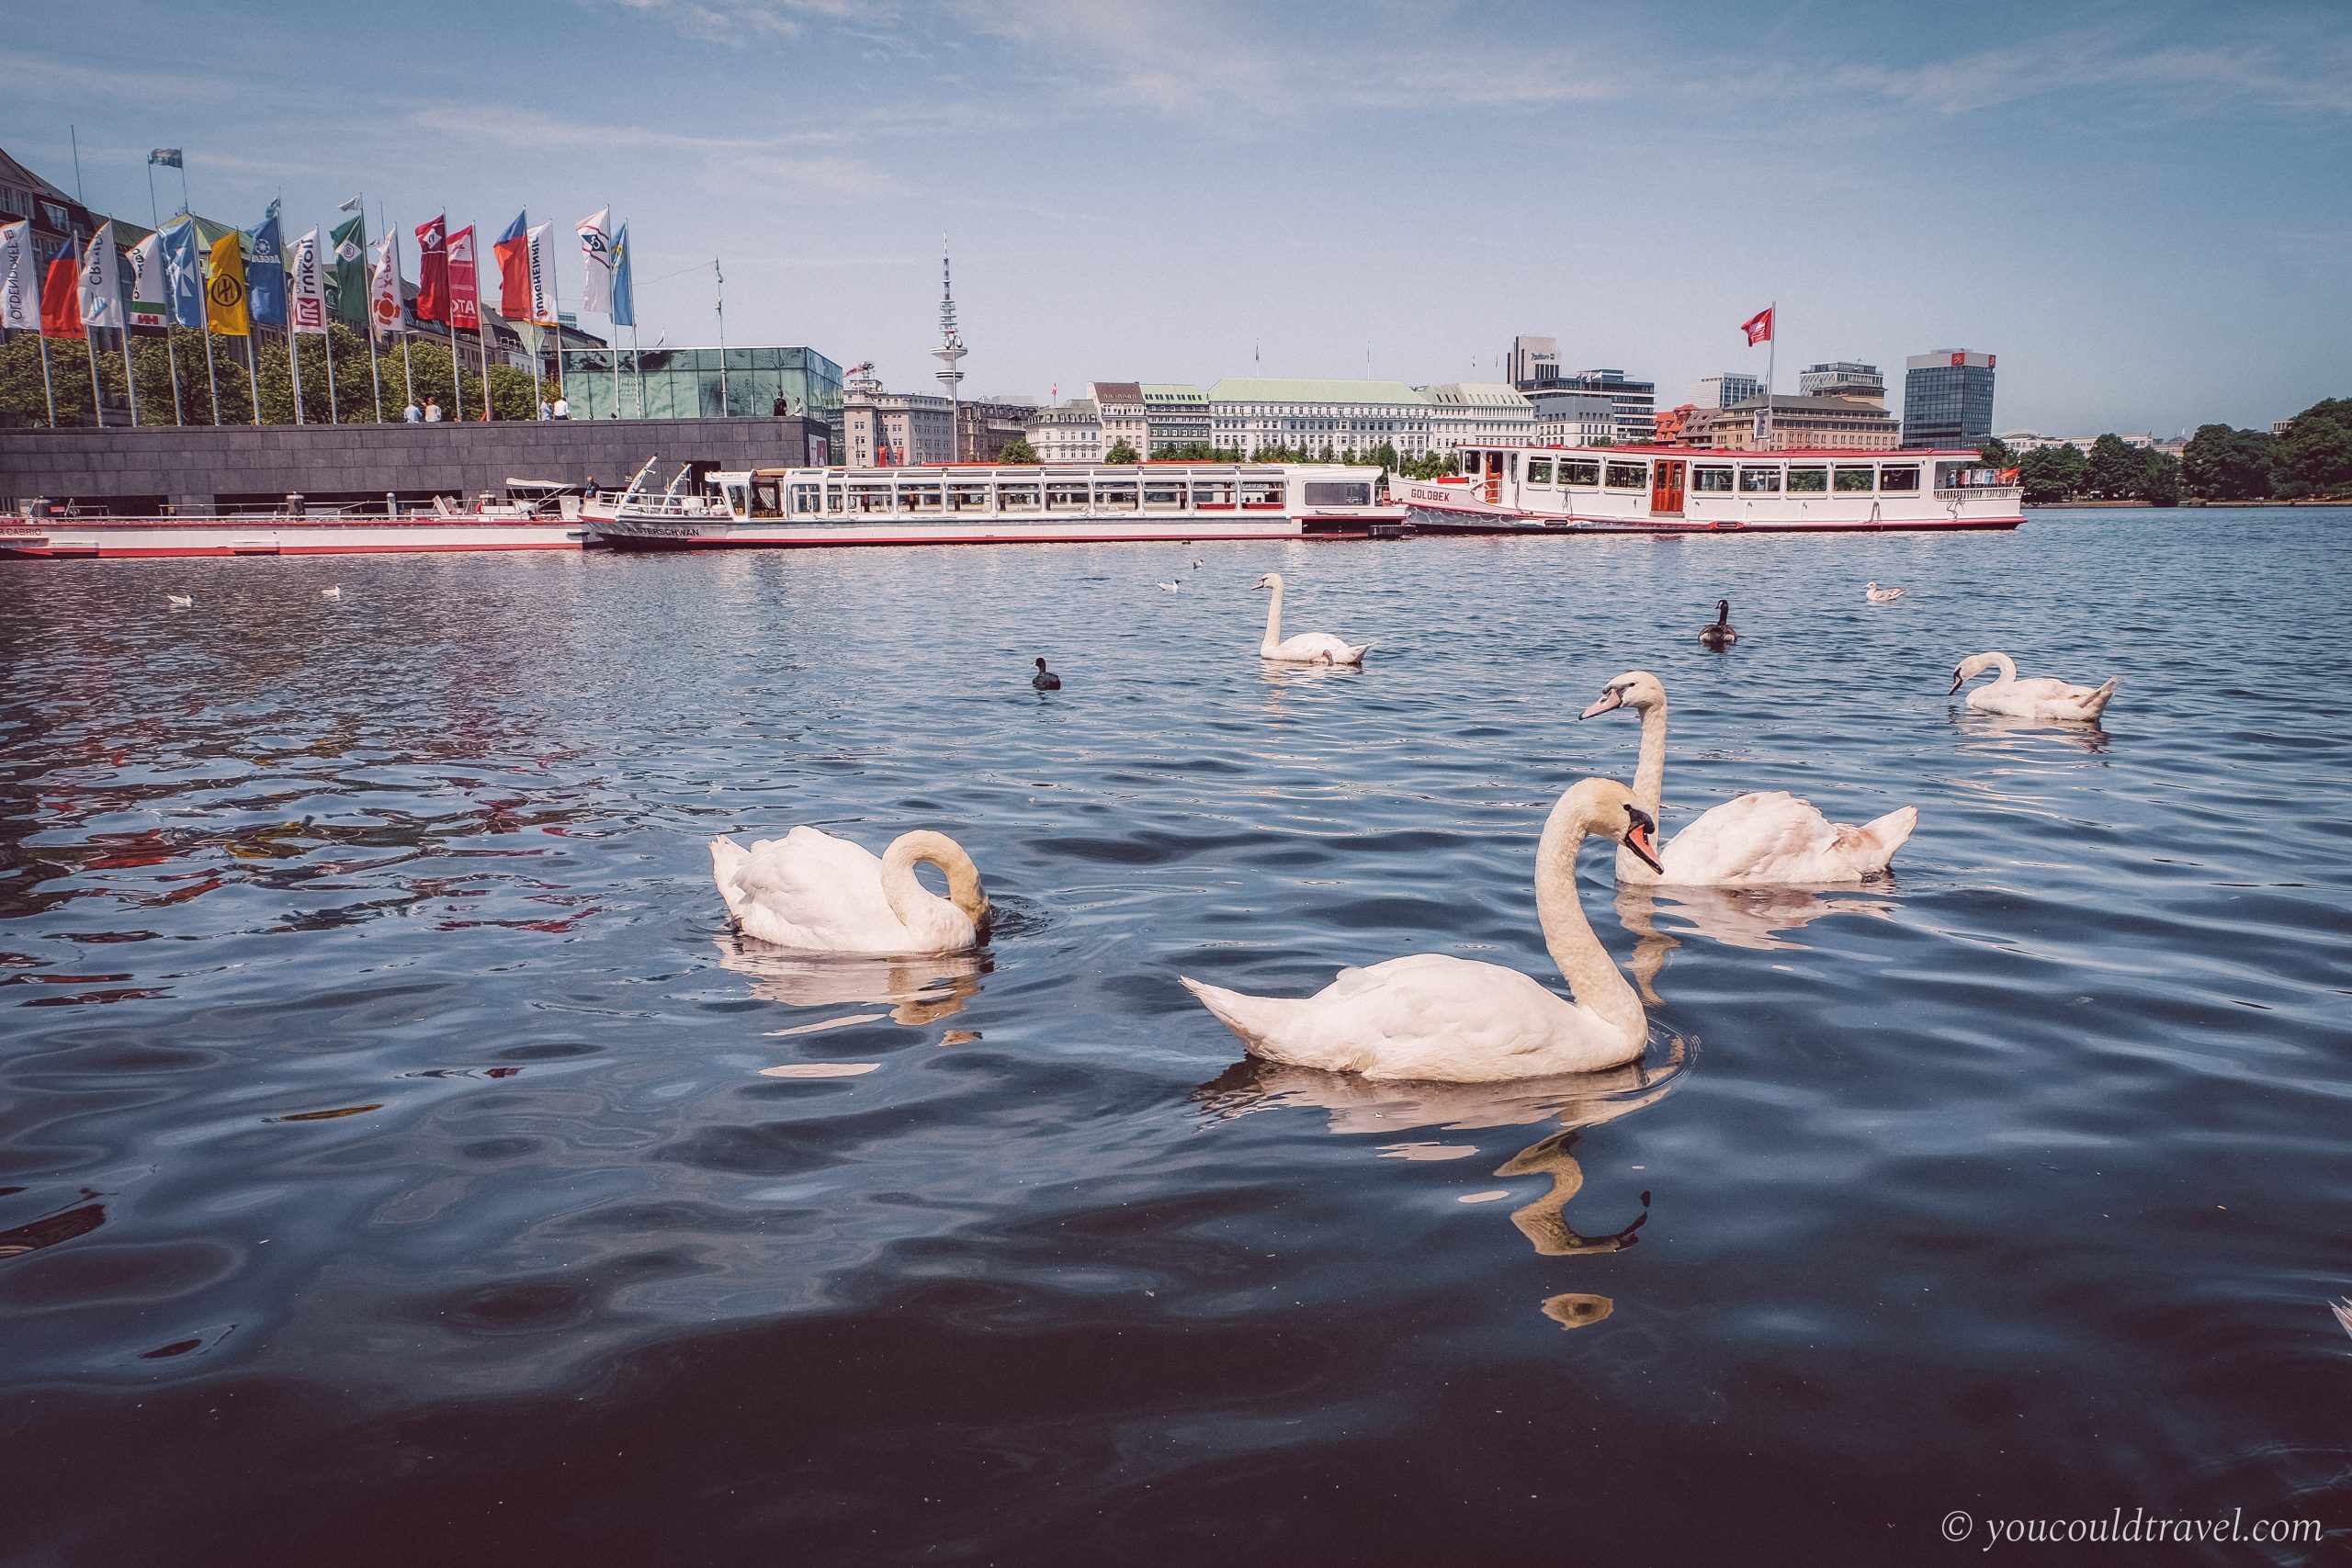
x,y
2040,697
1720,635
811,891
1434,1017
1878,595
1307,648
179,600
1760,839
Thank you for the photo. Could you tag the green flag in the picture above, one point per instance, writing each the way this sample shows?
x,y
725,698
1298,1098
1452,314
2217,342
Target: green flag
x,y
347,271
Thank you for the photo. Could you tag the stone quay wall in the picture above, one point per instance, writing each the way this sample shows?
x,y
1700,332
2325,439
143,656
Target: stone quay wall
x,y
197,467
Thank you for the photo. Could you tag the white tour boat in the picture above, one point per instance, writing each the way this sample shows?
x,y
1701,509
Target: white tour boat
x,y
1677,489
537,515
982,503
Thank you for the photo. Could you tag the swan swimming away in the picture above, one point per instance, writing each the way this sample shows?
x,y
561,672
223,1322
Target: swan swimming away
x,y
2343,1311
1169,587
180,601
2040,697
335,593
1307,648
1720,635
1759,840
819,894
1046,680
1878,595
1437,1017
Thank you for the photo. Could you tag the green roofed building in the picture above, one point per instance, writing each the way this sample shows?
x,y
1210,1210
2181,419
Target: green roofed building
x,y
1255,411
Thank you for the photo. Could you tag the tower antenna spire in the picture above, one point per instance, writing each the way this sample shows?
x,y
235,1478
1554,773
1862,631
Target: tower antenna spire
x,y
950,353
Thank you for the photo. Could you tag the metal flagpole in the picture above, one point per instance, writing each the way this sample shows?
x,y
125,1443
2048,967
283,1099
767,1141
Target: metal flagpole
x,y
555,308
171,348
1772,358
637,354
130,381
81,260
253,370
721,277
294,366
327,340
47,390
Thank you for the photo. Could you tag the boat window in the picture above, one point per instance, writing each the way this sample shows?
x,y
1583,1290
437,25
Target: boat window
x,y
1163,493
735,499
1968,475
1539,470
1852,481
1580,475
1710,481
1261,493
1899,481
1323,493
1759,482
767,498
1629,476
869,498
834,499
1066,495
919,498
1808,482
1017,497
968,498
804,499
1115,497
1213,493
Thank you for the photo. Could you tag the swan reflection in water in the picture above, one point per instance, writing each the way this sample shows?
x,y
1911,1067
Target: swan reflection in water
x,y
918,989
1354,1106
1737,916
2008,735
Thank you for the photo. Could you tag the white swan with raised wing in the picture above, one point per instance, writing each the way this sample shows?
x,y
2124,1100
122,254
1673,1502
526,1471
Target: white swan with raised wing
x,y
1447,1019
811,891
1307,648
1764,839
2039,697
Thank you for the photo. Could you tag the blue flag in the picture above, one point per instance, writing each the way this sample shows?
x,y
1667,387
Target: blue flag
x,y
623,305
265,272
183,274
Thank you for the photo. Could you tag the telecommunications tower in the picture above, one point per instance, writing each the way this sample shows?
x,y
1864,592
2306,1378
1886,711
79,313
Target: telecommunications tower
x,y
951,350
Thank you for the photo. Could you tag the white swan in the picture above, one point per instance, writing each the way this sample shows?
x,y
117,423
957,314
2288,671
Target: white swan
x,y
1760,840
335,593
1878,595
1307,648
815,892
2040,697
1433,1017
180,601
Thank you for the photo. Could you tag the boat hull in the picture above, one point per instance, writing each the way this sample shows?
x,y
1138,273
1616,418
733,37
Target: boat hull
x,y
1487,523
628,534
118,538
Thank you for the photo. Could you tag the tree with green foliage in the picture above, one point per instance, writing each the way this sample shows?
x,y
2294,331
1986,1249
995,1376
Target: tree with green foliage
x,y
2114,470
1121,452
1998,453
2315,454
2222,464
1018,450
2159,481
2051,474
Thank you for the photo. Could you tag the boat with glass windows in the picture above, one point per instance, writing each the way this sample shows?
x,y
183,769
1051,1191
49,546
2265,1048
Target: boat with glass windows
x,y
982,503
534,514
1679,490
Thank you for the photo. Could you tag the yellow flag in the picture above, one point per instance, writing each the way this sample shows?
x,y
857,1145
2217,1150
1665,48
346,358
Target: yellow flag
x,y
226,310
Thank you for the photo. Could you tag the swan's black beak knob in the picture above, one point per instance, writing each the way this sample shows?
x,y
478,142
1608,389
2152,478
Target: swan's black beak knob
x,y
1958,681
1640,836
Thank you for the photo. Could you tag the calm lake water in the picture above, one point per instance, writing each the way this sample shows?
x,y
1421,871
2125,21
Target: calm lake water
x,y
395,1166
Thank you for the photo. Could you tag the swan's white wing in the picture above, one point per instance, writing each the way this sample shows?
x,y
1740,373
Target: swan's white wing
x,y
1771,837
813,891
1315,645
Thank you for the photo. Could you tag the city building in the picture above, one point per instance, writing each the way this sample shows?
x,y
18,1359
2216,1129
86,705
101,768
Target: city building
x,y
1842,378
897,430
2023,441
692,383
1532,362
58,221
1119,407
1635,401
1068,432
1724,390
1572,418
1478,413
1252,412
1797,423
1673,424
1947,398
1176,415
985,426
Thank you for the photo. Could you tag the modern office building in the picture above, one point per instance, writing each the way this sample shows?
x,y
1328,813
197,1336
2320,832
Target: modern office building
x,y
1252,412
1635,401
1724,391
1176,415
1797,423
1572,418
1532,362
1068,432
1478,414
1843,378
698,383
1947,398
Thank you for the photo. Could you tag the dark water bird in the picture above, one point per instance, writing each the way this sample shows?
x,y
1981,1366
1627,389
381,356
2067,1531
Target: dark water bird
x,y
1046,680
1720,635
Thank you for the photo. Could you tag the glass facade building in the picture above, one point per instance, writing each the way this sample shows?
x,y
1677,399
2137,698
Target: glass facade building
x,y
688,383
1947,399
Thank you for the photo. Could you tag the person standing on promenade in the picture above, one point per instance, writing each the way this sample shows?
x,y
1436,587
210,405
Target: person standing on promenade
x,y
431,409
411,414
562,407
544,411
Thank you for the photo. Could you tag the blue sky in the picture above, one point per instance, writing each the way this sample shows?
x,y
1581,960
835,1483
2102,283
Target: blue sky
x,y
2142,208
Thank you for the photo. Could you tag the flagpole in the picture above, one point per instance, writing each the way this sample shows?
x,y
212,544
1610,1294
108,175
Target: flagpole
x,y
47,390
130,381
721,278
294,362
212,374
636,357
1772,358
171,349
81,261
326,338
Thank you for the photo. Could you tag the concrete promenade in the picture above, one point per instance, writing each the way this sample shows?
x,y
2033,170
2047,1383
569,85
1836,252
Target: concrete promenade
x,y
196,468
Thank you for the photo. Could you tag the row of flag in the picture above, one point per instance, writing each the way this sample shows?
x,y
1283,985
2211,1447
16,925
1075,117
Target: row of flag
x,y
174,277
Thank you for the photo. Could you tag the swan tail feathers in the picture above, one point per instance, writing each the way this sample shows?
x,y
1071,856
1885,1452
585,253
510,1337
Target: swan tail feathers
x,y
2096,704
1258,1022
727,859
1873,844
1355,655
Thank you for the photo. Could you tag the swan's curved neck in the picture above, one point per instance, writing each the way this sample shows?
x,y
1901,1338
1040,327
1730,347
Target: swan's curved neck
x,y
1274,618
2006,665
1650,769
906,895
1591,974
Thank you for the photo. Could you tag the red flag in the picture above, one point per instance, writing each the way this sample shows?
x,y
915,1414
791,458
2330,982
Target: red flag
x,y
1759,327
60,298
465,282
513,252
433,270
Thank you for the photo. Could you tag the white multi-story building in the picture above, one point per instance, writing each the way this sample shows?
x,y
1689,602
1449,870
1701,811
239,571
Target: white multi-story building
x,y
889,430
1253,412
1726,390
1841,379
1478,413
1119,406
1573,418
1068,432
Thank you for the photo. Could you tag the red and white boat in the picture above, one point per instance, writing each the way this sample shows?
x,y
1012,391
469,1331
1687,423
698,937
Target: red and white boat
x,y
1679,489
536,515
982,503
